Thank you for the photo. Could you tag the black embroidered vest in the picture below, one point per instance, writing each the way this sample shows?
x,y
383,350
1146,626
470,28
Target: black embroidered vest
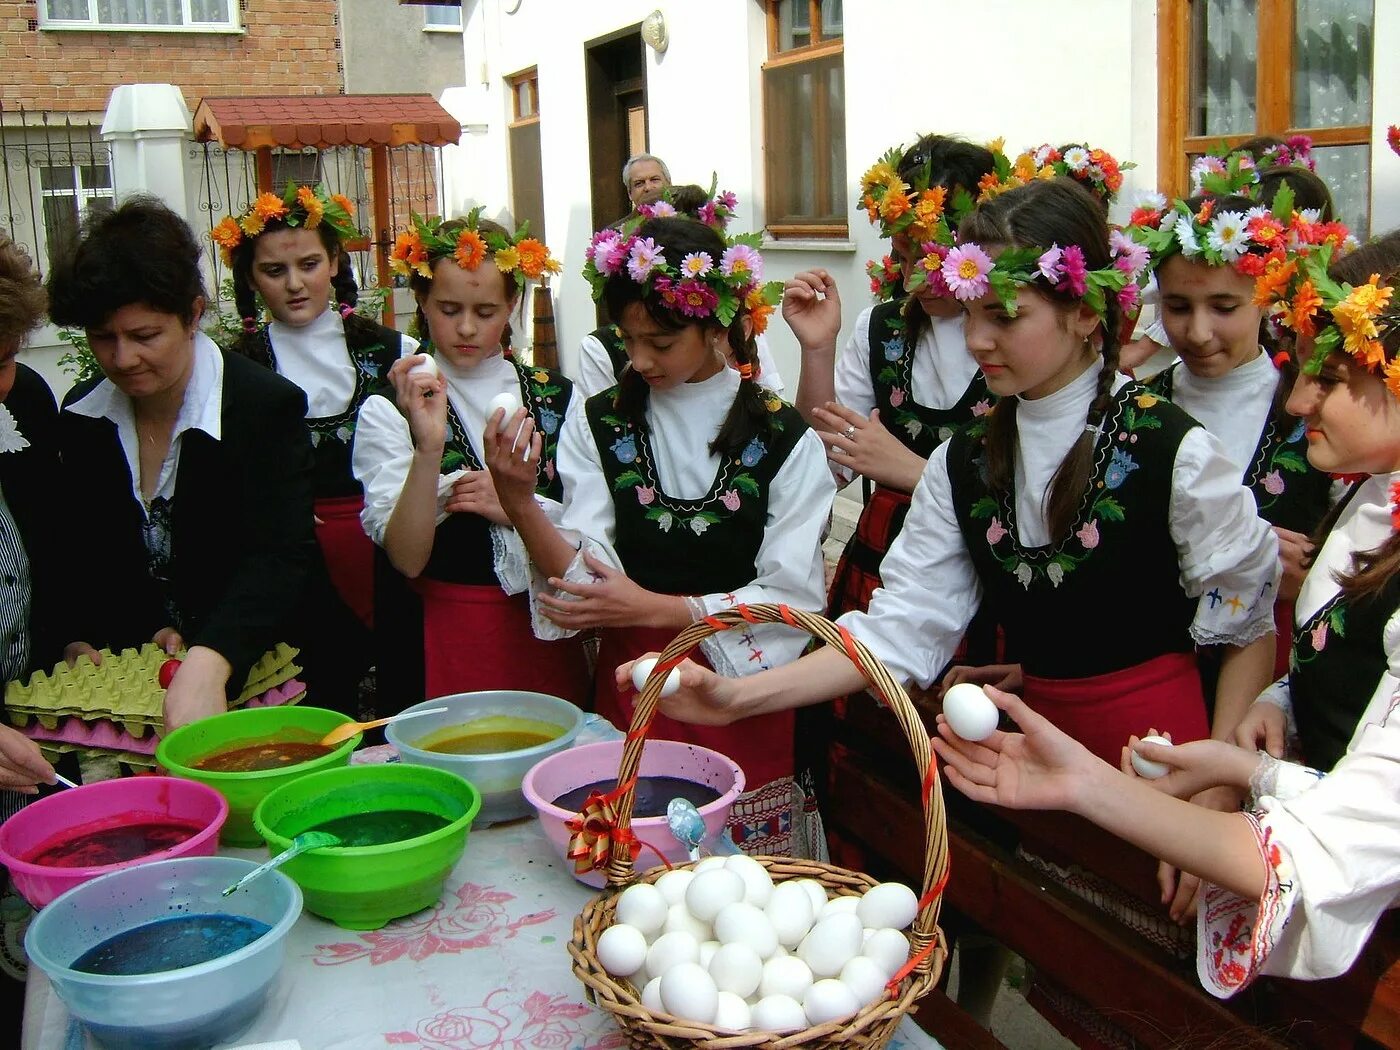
x,y
1288,490
1337,660
463,549
699,546
919,428
1108,596
372,349
611,339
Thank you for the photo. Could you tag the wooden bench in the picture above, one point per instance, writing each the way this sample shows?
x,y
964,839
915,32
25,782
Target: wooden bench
x,y
1150,997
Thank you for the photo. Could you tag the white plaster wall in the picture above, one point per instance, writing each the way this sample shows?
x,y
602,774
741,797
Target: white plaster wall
x,y
1385,110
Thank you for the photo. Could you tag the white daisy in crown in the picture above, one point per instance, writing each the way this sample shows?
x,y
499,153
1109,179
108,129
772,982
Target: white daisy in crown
x,y
1186,236
11,440
1227,235
1077,157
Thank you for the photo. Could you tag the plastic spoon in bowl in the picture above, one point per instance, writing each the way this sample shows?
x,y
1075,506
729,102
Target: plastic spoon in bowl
x,y
686,825
307,840
340,734
64,781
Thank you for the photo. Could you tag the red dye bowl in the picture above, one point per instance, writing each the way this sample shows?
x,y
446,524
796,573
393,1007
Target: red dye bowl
x,y
104,809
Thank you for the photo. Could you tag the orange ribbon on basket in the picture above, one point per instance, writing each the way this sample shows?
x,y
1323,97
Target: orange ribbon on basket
x,y
594,830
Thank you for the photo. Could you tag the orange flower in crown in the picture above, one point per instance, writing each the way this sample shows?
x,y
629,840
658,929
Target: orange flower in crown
x,y
315,210
470,251
409,256
921,212
304,207
519,256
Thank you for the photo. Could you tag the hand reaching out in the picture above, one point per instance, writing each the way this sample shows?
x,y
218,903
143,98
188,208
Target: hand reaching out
x,y
812,309
866,447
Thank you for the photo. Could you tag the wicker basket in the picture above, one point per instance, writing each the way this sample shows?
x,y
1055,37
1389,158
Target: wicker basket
x,y
872,1026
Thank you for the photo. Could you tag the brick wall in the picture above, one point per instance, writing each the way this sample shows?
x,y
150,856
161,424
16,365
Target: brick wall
x,y
287,47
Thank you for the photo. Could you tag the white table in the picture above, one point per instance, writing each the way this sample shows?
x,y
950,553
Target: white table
x,y
486,969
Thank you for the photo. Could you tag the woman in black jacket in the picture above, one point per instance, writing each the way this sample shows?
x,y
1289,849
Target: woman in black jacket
x,y
189,470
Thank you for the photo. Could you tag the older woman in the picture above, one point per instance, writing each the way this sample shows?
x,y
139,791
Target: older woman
x,y
189,470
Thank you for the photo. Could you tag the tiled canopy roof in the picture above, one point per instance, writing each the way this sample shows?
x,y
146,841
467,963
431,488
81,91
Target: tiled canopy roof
x,y
324,121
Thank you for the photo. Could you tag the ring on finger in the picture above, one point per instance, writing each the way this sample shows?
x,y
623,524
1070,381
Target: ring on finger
x,y
849,433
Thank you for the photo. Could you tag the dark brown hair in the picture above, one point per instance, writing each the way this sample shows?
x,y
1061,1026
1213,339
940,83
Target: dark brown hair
x,y
748,416
1039,214
1309,191
22,298
1372,570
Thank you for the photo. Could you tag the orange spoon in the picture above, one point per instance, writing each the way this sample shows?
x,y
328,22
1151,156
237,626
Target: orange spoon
x,y
340,734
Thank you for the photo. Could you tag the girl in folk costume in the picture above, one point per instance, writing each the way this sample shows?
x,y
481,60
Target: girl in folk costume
x,y
289,250
1206,253
1345,661
905,379
688,488
418,450
602,355
1081,496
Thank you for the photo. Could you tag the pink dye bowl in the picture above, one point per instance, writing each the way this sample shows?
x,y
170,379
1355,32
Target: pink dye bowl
x,y
566,770
136,800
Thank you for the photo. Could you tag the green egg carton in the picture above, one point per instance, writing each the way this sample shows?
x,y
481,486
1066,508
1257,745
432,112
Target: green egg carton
x,y
131,761
124,688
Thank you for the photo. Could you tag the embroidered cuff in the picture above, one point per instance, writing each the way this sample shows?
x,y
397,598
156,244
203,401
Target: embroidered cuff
x,y
1281,780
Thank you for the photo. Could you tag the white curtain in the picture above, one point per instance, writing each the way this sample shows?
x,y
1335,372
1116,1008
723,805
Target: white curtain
x,y
1332,63
209,10
74,9
1225,45
139,12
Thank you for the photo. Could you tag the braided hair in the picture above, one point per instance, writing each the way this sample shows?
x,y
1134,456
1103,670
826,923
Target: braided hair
x,y
748,416
1039,214
245,296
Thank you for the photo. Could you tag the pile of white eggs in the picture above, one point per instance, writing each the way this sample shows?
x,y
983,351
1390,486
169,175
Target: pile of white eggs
x,y
722,944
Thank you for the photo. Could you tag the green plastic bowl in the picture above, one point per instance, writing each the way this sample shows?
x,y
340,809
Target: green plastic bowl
x,y
363,887
178,752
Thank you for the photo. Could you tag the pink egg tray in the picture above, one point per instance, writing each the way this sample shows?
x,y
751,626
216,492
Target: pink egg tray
x,y
104,735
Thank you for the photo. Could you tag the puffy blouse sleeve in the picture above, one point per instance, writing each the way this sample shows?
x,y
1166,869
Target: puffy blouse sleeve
x,y
595,370
789,566
380,457
1227,553
1332,855
931,589
854,388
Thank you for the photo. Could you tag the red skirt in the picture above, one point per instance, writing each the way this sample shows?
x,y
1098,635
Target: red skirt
x,y
348,552
1101,712
479,637
762,745
857,575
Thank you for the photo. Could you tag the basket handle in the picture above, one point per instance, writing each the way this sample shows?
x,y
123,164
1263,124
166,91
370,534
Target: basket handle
x,y
884,685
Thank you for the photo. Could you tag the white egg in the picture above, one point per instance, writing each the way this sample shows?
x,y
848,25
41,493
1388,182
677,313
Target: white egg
x,y
690,993
1145,767
865,937
891,904
678,918
865,978
970,711
758,884
736,968
790,912
651,996
707,952
622,950
831,944
428,366
732,1013
816,893
672,949
712,891
642,906
744,924
889,949
785,975
777,1013
828,1000
709,864
839,906
672,885
641,671
507,400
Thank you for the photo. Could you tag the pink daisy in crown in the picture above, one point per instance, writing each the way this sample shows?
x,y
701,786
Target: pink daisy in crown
x,y
965,272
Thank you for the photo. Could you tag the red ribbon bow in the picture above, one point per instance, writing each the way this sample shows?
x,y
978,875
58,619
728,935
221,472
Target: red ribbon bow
x,y
594,830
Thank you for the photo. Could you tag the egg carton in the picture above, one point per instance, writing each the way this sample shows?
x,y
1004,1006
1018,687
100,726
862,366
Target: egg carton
x,y
103,735
129,761
125,688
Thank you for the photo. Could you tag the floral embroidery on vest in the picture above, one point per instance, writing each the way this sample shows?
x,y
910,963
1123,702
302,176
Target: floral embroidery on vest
x,y
1330,620
1274,459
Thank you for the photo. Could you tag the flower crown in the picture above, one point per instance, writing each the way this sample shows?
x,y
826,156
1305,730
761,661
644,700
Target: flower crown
x,y
1297,292
1096,169
968,272
519,256
714,213
300,206
1249,241
886,278
1226,172
921,211
696,286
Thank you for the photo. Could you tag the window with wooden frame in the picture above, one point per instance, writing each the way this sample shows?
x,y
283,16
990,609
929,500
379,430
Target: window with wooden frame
x,y
804,119
1233,69
523,140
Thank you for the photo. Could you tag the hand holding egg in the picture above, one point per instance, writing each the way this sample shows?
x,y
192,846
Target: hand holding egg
x,y
426,367
1145,767
507,402
970,712
641,671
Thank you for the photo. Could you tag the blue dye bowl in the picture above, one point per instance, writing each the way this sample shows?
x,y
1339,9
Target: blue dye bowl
x,y
196,1006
